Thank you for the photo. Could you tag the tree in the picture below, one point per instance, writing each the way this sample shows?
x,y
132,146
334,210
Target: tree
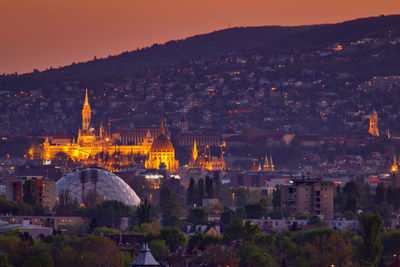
x,y
171,203
216,255
200,192
172,206
144,212
92,198
217,182
329,250
29,191
250,231
380,193
267,242
241,197
201,241
173,237
393,197
191,192
159,249
10,244
255,211
198,216
66,203
391,243
385,210
251,255
352,188
276,197
4,261
226,217
109,213
209,187
236,230
371,247
44,259
101,251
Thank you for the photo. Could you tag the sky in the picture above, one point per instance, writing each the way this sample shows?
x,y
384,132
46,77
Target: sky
x,y
38,34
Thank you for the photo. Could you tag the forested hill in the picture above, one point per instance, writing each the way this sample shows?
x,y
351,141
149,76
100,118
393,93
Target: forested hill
x,y
265,40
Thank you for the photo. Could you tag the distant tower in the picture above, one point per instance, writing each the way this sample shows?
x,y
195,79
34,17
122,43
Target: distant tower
x,y
194,152
395,176
373,123
86,114
272,166
102,131
266,166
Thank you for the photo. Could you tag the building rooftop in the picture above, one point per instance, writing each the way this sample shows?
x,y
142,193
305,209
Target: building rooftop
x,y
145,258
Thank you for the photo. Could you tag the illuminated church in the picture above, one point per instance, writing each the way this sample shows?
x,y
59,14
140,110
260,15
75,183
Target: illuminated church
x,y
97,146
206,161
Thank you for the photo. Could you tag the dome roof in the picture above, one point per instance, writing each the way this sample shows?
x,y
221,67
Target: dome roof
x,y
162,144
108,186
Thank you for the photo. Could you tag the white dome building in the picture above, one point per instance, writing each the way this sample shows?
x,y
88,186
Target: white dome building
x,y
106,184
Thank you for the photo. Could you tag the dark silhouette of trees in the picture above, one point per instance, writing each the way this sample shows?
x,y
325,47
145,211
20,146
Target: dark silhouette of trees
x,y
191,192
209,187
29,191
370,249
380,193
144,212
200,192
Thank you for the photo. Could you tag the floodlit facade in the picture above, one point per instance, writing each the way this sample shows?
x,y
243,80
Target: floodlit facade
x,y
162,151
96,146
107,185
206,162
373,124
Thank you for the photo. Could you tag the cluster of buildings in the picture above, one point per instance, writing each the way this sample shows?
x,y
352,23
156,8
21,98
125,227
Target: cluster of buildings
x,y
42,179
101,148
240,82
280,110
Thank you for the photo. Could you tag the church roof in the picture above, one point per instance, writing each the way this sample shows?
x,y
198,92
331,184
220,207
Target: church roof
x,y
162,144
145,258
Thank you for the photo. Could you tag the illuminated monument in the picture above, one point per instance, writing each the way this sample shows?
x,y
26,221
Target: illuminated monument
x,y
206,161
98,147
373,124
162,151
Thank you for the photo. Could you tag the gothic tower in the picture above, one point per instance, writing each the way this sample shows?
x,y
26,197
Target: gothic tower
x,y
86,114
266,166
271,164
373,123
194,152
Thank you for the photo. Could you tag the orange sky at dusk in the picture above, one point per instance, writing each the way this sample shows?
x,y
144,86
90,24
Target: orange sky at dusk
x,y
37,34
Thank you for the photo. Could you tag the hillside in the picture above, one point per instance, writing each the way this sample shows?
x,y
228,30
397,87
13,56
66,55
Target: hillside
x,y
319,78
266,40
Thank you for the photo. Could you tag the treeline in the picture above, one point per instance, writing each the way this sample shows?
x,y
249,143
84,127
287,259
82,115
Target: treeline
x,y
243,244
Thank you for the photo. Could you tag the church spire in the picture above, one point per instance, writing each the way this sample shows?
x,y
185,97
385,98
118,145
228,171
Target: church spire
x,y
148,134
272,167
266,166
194,152
162,125
86,114
86,99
